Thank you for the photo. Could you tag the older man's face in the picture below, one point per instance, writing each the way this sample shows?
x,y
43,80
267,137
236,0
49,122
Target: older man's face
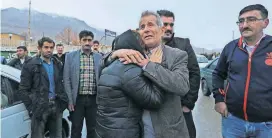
x,y
151,34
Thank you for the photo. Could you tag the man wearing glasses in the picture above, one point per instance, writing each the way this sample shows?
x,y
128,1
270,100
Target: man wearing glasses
x,y
246,64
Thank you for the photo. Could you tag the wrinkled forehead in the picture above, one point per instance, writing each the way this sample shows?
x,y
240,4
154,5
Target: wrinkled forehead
x,y
147,19
253,13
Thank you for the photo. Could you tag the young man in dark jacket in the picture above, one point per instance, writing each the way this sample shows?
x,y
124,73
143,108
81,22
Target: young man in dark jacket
x,y
60,55
246,64
21,58
188,101
41,90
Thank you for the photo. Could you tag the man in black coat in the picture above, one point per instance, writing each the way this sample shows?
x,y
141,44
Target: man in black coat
x,y
21,58
41,90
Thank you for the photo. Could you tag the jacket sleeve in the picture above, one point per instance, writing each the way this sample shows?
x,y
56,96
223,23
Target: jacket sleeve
x,y
12,62
25,87
194,77
106,59
174,80
141,90
219,76
67,79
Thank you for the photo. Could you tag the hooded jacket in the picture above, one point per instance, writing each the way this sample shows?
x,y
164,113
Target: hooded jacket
x,y
123,93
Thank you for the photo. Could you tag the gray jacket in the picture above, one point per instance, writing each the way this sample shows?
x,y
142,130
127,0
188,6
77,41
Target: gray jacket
x,y
172,76
71,73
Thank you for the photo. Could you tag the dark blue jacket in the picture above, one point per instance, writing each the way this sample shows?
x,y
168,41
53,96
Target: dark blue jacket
x,y
248,92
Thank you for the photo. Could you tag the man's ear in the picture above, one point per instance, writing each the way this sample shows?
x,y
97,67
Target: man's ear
x,y
163,29
266,22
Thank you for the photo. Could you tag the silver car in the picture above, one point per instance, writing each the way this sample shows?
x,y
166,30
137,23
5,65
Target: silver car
x,y
15,121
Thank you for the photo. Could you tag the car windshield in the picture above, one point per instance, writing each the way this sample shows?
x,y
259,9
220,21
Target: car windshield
x,y
202,60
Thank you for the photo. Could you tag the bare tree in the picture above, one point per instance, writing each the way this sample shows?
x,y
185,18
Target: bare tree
x,y
68,36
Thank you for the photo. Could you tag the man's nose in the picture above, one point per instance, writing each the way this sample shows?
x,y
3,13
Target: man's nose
x,y
168,27
244,24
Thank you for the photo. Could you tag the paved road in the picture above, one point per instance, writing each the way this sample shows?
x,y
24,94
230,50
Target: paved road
x,y
207,121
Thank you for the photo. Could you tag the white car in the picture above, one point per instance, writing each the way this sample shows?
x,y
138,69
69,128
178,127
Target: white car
x,y
202,61
15,121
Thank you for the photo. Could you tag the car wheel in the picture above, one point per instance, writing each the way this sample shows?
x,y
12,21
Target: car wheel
x,y
46,135
204,88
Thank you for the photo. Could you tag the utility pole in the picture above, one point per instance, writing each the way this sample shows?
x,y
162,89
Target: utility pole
x,y
69,30
29,35
232,35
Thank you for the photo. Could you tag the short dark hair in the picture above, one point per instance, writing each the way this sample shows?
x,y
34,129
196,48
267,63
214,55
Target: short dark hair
x,y
59,45
45,39
85,33
258,7
96,42
166,13
22,47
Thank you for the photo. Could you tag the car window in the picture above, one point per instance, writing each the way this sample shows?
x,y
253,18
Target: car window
x,y
9,89
202,60
213,65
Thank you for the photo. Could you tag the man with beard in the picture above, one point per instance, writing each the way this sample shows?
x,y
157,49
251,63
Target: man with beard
x,y
246,64
81,73
188,101
41,90
21,58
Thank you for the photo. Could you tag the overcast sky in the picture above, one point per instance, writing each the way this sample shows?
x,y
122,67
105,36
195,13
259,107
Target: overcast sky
x,y
208,23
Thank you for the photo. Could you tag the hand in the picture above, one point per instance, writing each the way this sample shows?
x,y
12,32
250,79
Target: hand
x,y
156,56
186,109
221,108
128,56
71,107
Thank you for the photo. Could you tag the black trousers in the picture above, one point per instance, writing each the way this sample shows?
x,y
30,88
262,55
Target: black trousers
x,y
52,118
85,108
190,124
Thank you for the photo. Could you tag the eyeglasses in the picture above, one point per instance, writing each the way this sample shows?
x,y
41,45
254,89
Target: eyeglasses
x,y
166,24
248,20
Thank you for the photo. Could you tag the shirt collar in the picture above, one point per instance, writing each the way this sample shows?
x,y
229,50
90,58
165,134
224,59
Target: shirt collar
x,y
149,52
245,44
42,59
82,53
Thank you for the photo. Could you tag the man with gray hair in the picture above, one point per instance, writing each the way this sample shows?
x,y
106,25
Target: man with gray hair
x,y
167,68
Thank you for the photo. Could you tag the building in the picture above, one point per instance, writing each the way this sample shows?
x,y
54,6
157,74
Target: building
x,y
12,40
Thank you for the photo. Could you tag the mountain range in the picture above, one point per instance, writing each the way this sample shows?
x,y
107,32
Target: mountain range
x,y
15,20
43,24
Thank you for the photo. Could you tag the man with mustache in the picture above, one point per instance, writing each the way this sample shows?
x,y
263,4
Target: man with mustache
x,y
41,90
81,73
246,64
166,68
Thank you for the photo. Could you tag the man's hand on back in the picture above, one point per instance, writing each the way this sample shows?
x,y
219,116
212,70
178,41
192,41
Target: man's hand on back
x,y
128,56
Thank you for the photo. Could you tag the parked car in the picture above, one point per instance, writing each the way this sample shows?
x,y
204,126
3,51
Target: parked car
x,y
206,77
202,61
15,120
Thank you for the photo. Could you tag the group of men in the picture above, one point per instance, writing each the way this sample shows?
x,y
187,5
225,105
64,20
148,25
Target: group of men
x,y
148,85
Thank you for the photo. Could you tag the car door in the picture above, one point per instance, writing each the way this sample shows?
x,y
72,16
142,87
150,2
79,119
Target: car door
x,y
209,72
15,121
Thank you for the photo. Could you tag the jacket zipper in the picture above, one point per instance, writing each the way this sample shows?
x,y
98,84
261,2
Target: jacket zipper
x,y
226,91
247,81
